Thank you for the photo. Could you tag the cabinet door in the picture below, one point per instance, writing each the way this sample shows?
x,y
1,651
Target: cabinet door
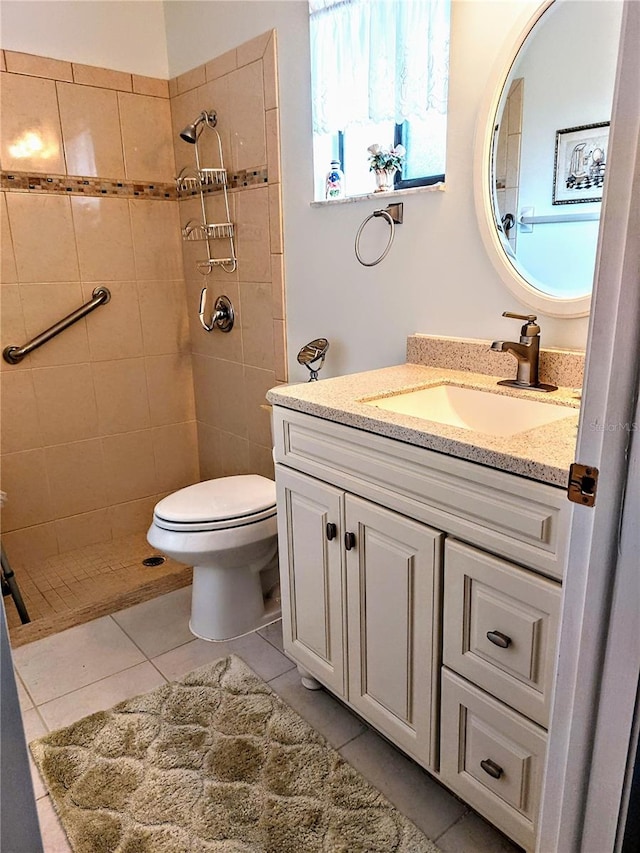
x,y
311,575
393,594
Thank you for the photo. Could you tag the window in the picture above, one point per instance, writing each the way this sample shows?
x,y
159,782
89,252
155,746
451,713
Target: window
x,y
379,71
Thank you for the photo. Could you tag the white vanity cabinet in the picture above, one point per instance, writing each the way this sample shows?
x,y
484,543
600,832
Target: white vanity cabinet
x,y
359,589
381,544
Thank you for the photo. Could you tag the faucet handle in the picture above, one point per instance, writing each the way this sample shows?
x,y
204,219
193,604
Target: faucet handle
x,y
530,328
530,317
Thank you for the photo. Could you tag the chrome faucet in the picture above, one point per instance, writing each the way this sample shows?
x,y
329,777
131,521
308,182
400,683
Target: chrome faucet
x,y
527,352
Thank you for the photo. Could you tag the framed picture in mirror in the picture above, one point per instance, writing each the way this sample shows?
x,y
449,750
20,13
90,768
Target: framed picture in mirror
x,y
580,163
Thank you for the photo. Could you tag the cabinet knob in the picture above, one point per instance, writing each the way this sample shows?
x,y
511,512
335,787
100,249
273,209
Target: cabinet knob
x,y
494,770
332,531
349,541
499,639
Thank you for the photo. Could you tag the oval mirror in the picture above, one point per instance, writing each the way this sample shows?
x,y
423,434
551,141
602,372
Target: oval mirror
x,y
541,153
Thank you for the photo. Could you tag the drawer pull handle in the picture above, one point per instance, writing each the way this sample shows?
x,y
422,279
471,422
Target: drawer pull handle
x,y
332,531
499,639
349,541
494,770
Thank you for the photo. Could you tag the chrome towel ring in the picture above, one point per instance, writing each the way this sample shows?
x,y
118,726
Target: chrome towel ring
x,y
393,214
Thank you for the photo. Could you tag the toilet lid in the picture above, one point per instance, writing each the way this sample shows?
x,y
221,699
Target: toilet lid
x,y
218,504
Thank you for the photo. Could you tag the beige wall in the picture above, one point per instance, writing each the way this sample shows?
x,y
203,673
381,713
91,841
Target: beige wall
x,y
232,372
100,422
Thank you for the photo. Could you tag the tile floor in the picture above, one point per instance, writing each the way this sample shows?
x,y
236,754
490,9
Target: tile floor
x,y
86,576
90,667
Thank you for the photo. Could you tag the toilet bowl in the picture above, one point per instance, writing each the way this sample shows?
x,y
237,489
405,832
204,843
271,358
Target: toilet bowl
x,y
226,529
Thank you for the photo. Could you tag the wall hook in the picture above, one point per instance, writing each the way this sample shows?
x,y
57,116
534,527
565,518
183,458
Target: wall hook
x,y
223,314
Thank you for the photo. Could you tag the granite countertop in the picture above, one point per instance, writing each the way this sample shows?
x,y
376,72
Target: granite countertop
x,y
543,453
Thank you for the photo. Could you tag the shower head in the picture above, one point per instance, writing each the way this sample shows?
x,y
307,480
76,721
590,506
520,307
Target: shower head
x,y
191,131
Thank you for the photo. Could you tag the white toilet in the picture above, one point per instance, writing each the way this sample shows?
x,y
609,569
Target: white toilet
x,y
226,529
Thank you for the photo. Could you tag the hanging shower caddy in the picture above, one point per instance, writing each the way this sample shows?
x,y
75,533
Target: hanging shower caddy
x,y
201,180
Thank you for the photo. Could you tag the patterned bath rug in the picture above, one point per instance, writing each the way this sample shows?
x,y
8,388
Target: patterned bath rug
x,y
213,763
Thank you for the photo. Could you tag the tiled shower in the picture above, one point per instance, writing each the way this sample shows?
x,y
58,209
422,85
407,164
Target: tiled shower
x,y
136,400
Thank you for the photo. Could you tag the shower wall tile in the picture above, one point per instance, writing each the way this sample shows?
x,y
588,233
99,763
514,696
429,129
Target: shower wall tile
x,y
88,528
170,386
280,349
272,130
207,404
146,137
278,296
42,306
208,451
254,239
227,388
103,237
261,461
191,79
248,136
163,314
275,216
43,237
130,471
25,482
93,386
150,86
156,240
257,383
234,436
114,330
21,422
8,272
38,66
233,455
31,545
105,78
121,395
12,332
45,304
221,65
253,49
30,136
90,130
76,474
3,64
66,403
176,455
173,87
257,325
270,74
132,516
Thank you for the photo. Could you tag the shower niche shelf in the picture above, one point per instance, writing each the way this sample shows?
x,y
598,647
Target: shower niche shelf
x,y
197,180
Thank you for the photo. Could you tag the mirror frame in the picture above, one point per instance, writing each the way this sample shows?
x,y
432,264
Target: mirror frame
x,y
529,295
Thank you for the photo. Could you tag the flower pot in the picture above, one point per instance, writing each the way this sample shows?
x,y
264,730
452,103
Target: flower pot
x,y
384,179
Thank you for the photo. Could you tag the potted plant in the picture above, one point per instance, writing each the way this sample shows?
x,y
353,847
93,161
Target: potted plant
x,y
384,163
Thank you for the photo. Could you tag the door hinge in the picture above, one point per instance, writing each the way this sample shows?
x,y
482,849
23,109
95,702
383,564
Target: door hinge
x,y
583,483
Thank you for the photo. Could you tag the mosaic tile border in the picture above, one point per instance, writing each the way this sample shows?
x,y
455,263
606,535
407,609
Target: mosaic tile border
x,y
235,181
79,185
91,186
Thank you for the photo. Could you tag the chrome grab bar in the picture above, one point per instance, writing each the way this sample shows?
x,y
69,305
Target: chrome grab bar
x,y
14,355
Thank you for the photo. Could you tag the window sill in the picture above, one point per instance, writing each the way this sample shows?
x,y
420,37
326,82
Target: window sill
x,y
390,194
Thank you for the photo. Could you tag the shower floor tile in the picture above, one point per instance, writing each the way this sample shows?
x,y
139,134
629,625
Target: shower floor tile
x,y
77,586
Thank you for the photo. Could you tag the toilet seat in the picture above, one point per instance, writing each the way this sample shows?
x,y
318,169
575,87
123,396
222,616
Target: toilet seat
x,y
221,504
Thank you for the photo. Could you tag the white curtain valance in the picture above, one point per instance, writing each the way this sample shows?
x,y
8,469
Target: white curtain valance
x,y
377,60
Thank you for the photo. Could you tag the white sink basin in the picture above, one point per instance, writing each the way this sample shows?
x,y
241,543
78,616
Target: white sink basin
x,y
468,408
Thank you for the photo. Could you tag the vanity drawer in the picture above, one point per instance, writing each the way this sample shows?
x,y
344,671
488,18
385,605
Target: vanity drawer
x,y
492,757
500,628
504,513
